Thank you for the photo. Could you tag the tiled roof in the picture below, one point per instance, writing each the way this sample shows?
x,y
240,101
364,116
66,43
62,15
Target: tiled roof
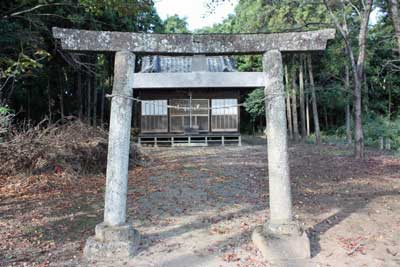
x,y
185,64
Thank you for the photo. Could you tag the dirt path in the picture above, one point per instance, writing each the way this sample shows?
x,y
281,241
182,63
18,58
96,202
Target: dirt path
x,y
198,207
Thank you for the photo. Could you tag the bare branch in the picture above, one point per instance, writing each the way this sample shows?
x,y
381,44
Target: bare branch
x,y
74,61
5,83
33,9
354,7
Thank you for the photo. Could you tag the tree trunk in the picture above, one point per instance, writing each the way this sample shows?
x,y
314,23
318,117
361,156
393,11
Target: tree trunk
x,y
294,105
88,99
306,95
61,95
348,124
95,100
79,94
28,104
49,101
394,10
390,102
358,132
366,92
348,116
288,107
62,104
301,96
314,101
326,118
102,106
307,115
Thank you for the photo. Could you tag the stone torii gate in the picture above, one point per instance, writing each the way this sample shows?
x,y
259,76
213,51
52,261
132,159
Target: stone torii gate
x,y
280,238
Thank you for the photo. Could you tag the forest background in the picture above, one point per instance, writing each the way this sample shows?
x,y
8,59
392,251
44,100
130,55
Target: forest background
x,y
348,94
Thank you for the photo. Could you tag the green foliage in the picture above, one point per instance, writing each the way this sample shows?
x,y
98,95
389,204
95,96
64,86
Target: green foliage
x,y
34,70
376,127
175,24
5,110
381,91
6,116
253,16
328,138
254,104
23,65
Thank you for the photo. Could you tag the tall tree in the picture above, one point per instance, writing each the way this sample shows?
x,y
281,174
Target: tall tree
x,y
79,93
288,105
255,106
308,114
301,98
394,11
175,24
347,111
294,104
95,100
89,101
357,66
314,100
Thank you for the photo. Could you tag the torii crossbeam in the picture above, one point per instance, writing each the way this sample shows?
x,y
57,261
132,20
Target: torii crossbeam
x,y
191,44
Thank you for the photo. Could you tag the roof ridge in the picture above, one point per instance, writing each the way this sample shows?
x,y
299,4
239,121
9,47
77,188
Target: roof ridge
x,y
171,64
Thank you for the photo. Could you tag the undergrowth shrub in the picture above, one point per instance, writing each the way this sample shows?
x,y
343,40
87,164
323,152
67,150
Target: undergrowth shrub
x,y
6,116
376,127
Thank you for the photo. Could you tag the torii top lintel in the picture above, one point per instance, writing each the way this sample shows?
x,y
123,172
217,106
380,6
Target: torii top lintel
x,y
190,44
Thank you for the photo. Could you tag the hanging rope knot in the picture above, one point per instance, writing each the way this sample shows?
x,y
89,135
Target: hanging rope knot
x,y
123,96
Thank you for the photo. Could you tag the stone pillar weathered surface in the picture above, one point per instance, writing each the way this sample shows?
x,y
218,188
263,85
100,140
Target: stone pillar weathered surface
x,y
114,237
280,201
281,239
119,140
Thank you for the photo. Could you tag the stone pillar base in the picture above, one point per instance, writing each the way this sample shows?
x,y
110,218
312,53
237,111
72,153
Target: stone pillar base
x,y
282,244
112,243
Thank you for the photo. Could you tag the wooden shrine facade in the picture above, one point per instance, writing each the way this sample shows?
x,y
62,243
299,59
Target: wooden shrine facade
x,y
203,111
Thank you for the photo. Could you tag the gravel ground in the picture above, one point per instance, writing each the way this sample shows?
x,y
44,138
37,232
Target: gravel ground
x,y
199,206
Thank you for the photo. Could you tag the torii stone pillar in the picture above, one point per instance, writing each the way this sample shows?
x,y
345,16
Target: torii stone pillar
x,y
115,238
280,239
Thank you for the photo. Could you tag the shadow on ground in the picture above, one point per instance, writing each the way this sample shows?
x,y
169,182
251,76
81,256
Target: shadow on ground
x,y
217,194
